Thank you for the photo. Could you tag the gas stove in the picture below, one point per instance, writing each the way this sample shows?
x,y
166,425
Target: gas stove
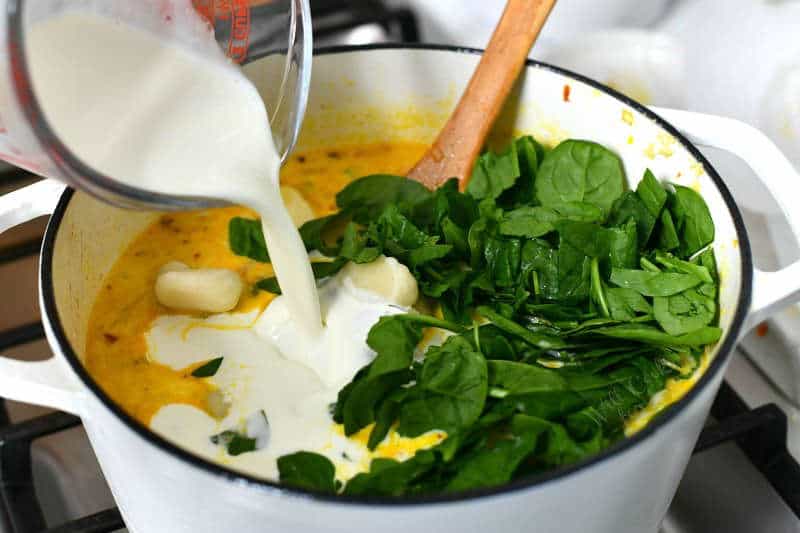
x,y
743,477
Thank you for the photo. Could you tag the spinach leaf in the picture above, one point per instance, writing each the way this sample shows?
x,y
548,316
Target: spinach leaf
x,y
307,470
579,212
539,263
477,237
625,304
396,233
246,238
236,443
709,261
548,405
529,221
631,207
450,391
580,171
455,236
366,198
669,261
588,238
427,253
652,194
574,272
692,220
503,260
605,416
667,234
580,382
318,233
519,378
509,326
362,398
394,339
495,465
493,344
622,245
385,416
269,284
536,221
445,201
529,155
650,335
387,477
208,369
354,246
460,207
684,312
494,173
653,283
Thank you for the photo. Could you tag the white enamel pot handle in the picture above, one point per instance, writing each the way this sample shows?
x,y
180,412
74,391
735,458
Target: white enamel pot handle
x,y
772,291
41,382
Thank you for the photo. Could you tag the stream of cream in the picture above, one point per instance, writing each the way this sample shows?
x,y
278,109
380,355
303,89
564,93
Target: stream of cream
x,y
165,118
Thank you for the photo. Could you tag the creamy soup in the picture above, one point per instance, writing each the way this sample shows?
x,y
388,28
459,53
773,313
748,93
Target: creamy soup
x,y
143,353
461,338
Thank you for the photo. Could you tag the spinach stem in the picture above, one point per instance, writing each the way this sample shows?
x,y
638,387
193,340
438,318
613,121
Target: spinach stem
x,y
432,322
648,265
477,336
496,392
597,288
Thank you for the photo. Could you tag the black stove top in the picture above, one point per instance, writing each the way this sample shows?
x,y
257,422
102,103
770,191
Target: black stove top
x,y
331,17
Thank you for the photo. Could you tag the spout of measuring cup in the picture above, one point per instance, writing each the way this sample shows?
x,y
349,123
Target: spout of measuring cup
x,y
272,53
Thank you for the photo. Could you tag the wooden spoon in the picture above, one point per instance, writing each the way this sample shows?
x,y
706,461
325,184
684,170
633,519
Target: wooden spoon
x,y
457,147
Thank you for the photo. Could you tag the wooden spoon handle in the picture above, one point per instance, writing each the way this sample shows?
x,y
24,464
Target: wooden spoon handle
x,y
457,147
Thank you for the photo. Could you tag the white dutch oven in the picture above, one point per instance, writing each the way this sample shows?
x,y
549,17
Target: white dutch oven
x,y
392,93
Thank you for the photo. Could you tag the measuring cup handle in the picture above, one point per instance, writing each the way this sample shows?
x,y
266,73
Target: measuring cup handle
x,y
28,203
772,291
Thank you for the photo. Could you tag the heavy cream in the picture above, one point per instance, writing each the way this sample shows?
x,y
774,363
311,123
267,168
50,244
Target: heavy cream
x,y
254,376
168,119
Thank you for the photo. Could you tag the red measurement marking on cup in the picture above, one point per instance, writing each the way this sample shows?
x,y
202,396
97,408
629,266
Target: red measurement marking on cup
x,y
167,10
21,162
231,18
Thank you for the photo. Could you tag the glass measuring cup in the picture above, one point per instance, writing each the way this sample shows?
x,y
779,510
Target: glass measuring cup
x,y
272,38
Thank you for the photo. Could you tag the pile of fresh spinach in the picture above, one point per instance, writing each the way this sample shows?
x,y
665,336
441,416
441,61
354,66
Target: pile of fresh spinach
x,y
570,301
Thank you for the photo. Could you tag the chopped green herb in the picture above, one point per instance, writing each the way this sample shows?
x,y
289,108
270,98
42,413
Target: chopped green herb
x,y
234,442
247,238
207,369
307,470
